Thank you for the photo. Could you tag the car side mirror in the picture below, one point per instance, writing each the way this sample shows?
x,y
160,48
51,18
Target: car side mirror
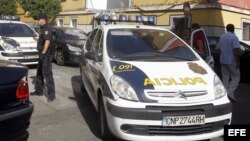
x,y
90,55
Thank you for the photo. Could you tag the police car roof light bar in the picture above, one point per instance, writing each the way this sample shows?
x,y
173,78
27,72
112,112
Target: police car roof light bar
x,y
112,19
9,18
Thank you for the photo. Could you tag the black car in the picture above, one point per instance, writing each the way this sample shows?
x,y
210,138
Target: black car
x,y
244,58
15,107
69,44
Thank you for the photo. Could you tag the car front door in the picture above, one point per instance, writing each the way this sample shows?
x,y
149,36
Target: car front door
x,y
208,57
244,61
94,63
85,62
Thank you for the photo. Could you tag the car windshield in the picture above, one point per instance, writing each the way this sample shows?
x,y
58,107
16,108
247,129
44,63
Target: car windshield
x,y
16,30
147,44
75,34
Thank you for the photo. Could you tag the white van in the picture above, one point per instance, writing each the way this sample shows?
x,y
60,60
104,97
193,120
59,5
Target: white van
x,y
148,84
18,42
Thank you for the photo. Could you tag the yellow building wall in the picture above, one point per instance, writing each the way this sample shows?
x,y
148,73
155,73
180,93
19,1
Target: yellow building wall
x,y
217,17
162,18
69,5
138,3
24,18
82,19
205,17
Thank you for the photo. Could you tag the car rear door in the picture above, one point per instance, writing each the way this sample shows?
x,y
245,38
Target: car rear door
x,y
208,57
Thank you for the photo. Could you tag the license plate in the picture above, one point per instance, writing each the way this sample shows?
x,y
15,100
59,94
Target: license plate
x,y
183,120
31,57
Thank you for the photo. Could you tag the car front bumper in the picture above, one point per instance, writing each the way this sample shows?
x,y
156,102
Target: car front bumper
x,y
147,123
73,57
25,58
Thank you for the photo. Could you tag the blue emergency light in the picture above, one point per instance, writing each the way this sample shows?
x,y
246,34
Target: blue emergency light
x,y
105,17
122,18
138,18
151,19
112,18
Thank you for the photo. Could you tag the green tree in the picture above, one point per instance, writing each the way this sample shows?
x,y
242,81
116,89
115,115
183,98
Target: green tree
x,y
8,7
49,7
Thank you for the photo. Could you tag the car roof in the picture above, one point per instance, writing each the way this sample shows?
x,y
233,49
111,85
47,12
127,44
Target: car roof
x,y
6,21
112,26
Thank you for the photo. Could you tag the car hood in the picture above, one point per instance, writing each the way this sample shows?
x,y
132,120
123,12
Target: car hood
x,y
162,81
26,41
76,43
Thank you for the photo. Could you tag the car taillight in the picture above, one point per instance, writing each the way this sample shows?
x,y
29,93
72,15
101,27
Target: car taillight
x,y
23,89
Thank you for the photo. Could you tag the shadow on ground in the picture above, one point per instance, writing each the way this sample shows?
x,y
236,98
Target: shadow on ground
x,y
241,114
86,107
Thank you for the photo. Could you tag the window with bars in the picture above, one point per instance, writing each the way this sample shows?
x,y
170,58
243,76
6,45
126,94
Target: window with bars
x,y
60,22
246,31
74,23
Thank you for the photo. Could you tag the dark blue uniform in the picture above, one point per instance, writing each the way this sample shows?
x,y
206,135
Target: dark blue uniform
x,y
44,68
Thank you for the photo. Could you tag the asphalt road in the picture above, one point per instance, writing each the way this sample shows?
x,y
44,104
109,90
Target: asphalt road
x,y
71,117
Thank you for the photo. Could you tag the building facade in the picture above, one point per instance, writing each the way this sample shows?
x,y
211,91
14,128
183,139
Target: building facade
x,y
212,15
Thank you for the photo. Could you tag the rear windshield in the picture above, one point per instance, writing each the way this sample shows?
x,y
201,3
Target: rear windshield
x,y
147,44
16,30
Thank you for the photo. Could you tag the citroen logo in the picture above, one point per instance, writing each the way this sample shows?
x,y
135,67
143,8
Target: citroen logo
x,y
180,94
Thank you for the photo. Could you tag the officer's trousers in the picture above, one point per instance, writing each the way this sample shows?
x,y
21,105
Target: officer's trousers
x,y
44,72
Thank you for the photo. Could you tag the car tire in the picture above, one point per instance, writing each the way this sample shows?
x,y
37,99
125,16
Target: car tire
x,y
59,57
104,129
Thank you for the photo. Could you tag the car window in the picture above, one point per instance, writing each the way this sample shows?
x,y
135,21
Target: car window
x,y
96,43
100,51
147,44
197,36
90,40
16,30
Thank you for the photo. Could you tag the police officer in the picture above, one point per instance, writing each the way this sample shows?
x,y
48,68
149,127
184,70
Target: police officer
x,y
44,68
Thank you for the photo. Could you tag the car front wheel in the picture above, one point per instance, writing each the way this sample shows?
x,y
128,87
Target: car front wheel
x,y
59,57
104,129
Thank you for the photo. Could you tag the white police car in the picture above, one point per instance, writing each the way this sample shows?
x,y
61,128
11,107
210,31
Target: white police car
x,y
148,84
18,41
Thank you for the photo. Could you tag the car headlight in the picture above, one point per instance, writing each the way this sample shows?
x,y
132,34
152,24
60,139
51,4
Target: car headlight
x,y
219,89
72,48
122,88
9,44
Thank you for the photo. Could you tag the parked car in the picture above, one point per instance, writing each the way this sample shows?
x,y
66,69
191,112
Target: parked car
x,y
15,107
69,46
148,84
18,42
244,58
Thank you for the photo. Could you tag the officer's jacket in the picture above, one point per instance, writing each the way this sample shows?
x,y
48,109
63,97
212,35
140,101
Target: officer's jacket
x,y
45,34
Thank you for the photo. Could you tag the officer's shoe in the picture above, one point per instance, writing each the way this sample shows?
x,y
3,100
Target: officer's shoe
x,y
36,94
50,99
